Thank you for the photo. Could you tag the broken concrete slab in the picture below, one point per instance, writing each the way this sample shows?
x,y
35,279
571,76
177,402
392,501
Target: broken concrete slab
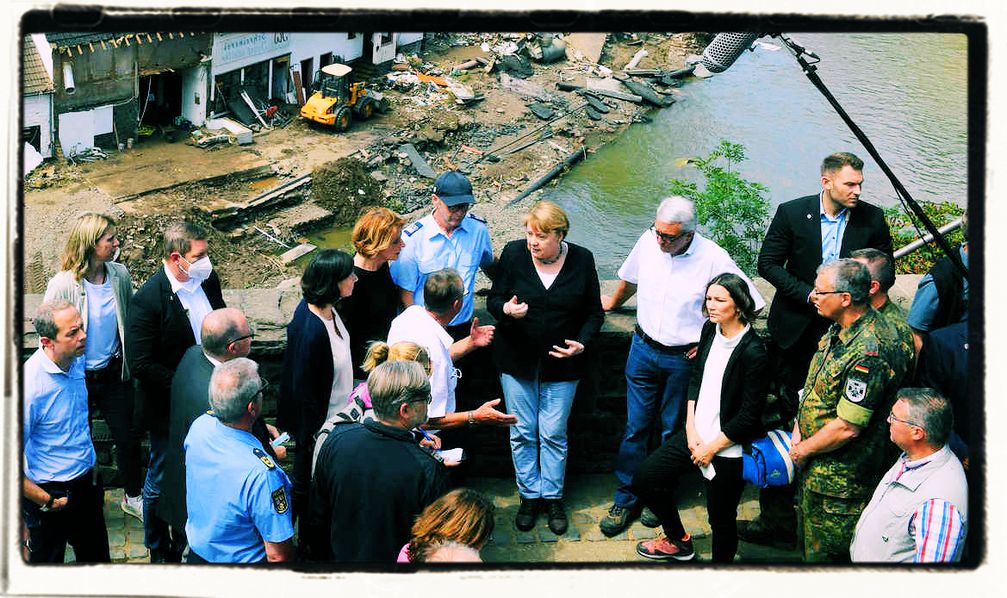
x,y
421,166
611,88
588,44
525,88
303,249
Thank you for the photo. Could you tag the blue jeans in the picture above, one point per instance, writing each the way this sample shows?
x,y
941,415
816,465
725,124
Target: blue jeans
x,y
657,384
157,535
538,439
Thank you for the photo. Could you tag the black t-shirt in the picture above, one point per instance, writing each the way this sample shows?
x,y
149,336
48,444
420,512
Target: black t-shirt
x,y
369,311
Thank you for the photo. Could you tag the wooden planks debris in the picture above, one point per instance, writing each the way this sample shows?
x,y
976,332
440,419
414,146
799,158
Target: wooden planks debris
x,y
302,249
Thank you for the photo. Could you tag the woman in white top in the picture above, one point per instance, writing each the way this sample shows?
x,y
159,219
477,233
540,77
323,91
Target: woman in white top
x,y
727,394
317,368
101,289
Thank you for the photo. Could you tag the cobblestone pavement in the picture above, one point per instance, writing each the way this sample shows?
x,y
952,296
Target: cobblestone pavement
x,y
588,498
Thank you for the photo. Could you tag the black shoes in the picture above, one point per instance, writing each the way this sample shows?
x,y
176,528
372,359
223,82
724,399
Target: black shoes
x,y
557,516
526,514
754,532
649,519
618,519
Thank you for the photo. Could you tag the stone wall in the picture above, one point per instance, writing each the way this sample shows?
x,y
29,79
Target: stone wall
x,y
596,421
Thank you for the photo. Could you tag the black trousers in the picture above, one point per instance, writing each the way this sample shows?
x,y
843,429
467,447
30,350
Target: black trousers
x,y
300,476
114,398
81,523
657,480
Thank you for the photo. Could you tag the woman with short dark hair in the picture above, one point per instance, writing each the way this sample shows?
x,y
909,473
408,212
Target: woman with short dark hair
x,y
727,394
317,369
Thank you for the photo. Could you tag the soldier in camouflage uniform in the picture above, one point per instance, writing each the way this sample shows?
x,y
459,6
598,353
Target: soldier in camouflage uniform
x,y
882,269
840,435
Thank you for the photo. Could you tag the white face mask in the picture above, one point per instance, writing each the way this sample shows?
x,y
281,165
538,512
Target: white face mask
x,y
199,270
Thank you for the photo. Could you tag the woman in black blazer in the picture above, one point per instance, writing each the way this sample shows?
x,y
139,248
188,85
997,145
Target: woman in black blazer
x,y
317,372
727,394
547,304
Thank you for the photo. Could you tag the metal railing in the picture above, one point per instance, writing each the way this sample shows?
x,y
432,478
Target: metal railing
x,y
927,238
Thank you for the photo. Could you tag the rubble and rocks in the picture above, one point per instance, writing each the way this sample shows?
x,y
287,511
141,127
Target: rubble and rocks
x,y
343,187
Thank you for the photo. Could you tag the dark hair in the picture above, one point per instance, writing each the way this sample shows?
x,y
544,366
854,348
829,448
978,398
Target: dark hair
x,y
835,162
178,236
442,289
737,288
879,264
320,281
926,408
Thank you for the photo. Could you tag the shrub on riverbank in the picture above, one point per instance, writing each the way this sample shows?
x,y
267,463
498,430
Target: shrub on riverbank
x,y
734,212
906,229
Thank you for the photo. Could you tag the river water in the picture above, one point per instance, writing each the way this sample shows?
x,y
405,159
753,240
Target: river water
x,y
906,91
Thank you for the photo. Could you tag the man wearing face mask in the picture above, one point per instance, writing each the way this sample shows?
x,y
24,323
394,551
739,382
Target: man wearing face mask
x,y
165,319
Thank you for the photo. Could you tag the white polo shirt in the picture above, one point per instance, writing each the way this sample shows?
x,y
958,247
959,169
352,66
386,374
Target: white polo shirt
x,y
416,325
671,289
194,301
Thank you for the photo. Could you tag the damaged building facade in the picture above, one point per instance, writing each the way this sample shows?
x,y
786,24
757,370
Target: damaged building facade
x,y
111,88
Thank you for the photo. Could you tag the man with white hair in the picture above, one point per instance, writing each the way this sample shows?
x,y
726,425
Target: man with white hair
x,y
668,270
238,499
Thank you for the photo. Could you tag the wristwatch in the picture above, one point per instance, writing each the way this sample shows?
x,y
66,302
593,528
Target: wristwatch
x,y
472,418
48,505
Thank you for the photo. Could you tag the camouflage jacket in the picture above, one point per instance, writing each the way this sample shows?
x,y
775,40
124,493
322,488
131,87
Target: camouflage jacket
x,y
853,375
899,338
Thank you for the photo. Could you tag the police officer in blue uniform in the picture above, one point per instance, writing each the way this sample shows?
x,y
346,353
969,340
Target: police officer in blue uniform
x,y
62,496
449,237
238,499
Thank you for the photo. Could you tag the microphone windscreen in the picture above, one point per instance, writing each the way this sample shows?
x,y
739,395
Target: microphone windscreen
x,y
725,49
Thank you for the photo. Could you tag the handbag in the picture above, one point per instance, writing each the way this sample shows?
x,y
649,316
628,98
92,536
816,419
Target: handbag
x,y
767,461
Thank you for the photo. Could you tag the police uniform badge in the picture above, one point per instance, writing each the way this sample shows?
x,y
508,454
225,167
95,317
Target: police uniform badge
x,y
856,390
261,454
280,501
412,228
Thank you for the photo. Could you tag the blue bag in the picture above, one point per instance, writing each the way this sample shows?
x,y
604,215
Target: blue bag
x,y
767,462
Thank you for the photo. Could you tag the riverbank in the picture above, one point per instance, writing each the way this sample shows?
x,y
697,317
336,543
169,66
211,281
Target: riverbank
x,y
159,180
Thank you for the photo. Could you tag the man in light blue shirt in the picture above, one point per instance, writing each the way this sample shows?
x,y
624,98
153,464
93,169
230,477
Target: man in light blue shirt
x,y
449,237
62,496
237,498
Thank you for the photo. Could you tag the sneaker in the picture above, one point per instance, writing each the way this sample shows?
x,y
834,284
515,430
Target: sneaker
x,y
617,519
648,518
132,506
557,516
526,514
663,549
754,532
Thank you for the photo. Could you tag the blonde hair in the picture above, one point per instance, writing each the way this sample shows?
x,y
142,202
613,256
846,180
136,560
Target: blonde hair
x,y
375,229
547,217
379,352
84,235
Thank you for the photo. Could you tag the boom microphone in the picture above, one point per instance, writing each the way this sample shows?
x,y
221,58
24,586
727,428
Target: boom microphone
x,y
725,49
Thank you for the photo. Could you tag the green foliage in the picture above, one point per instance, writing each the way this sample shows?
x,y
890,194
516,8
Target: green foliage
x,y
734,212
903,233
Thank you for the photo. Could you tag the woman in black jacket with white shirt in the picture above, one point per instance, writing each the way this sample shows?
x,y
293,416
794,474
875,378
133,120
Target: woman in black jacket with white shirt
x,y
727,395
547,304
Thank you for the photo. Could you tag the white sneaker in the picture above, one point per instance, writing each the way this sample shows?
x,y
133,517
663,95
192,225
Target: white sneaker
x,y
132,505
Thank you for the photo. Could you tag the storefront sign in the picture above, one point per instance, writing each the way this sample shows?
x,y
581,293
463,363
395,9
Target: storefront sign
x,y
240,49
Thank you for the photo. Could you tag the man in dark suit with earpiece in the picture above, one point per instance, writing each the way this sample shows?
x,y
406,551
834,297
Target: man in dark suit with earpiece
x,y
806,233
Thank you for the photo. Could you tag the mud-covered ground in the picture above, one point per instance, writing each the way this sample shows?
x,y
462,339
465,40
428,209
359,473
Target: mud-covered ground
x,y
246,253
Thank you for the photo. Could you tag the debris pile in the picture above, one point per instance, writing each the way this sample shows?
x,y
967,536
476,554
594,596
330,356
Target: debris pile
x,y
344,187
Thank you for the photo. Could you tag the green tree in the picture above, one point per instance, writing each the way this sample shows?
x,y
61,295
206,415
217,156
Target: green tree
x,y
904,232
732,210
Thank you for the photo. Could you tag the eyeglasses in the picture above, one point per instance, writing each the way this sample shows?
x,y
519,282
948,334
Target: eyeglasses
x,y
669,238
241,338
817,292
263,385
891,418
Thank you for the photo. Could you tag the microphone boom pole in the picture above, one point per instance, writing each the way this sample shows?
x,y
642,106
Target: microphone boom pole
x,y
810,71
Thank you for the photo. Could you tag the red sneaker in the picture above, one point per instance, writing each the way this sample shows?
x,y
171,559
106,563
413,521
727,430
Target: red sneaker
x,y
663,549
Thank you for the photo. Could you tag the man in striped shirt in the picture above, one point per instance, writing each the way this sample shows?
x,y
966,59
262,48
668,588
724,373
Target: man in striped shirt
x,y
919,511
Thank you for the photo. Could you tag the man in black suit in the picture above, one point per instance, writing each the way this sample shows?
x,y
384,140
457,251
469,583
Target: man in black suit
x,y
165,319
226,335
805,233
